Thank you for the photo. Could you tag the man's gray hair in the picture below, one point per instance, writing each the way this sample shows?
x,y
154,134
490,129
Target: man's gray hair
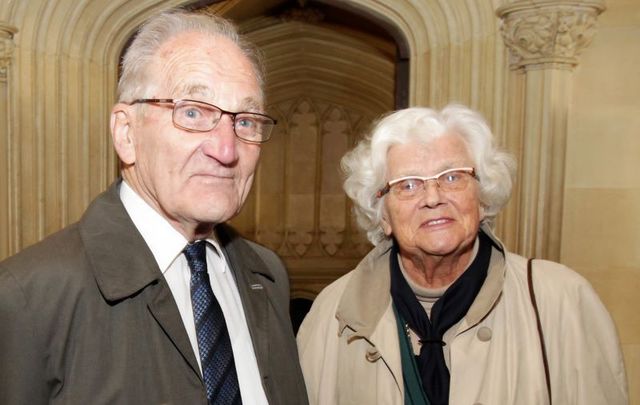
x,y
135,83
365,165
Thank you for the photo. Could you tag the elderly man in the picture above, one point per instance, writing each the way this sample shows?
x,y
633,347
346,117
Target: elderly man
x,y
150,298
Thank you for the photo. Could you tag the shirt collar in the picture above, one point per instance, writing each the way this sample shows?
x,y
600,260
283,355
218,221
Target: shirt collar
x,y
164,241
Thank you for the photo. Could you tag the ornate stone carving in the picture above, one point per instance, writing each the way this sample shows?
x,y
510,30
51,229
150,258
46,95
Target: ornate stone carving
x,y
300,240
331,239
6,48
548,32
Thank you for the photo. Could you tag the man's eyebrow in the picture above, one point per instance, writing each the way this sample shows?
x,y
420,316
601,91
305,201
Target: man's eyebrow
x,y
251,104
199,90
204,92
192,89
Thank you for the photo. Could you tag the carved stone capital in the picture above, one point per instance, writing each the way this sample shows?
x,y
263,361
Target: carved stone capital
x,y
548,33
6,48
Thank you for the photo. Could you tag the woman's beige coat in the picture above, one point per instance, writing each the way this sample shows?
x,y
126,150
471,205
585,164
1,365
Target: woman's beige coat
x,y
349,347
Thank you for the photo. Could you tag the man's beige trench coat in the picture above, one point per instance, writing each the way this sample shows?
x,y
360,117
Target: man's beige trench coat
x,y
349,348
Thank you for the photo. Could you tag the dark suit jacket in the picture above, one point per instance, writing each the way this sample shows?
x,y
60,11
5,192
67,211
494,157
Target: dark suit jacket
x,y
86,317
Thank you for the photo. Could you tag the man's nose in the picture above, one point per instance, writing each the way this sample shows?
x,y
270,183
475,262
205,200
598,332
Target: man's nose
x,y
224,141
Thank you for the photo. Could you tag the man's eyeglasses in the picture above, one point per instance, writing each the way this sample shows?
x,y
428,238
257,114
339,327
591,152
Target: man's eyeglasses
x,y
198,116
449,180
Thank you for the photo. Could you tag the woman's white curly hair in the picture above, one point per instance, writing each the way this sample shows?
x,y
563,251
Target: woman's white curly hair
x,y
365,165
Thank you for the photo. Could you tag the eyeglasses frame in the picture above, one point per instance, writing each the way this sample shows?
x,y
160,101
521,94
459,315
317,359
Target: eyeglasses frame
x,y
385,190
233,115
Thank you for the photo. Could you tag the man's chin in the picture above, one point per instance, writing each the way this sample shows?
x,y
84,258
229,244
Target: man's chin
x,y
214,206
217,214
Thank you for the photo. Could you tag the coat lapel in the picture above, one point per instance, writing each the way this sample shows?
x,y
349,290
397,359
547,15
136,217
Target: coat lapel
x,y
253,278
164,310
371,278
124,266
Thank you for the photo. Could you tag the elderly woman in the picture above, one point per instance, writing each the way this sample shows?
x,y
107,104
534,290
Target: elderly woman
x,y
439,312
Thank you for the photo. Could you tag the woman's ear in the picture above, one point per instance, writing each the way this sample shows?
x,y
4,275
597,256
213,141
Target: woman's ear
x,y
122,133
385,224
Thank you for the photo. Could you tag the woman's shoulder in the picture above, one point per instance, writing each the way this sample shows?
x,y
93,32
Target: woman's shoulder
x,y
326,302
322,312
544,269
367,272
549,278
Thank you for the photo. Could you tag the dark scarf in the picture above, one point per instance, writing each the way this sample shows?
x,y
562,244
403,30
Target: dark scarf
x,y
446,312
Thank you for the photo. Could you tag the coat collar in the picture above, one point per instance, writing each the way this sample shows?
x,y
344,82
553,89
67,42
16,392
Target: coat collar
x,y
367,296
491,288
120,258
238,253
123,265
121,261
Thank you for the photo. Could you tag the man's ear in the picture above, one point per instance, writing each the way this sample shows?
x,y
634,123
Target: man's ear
x,y
122,133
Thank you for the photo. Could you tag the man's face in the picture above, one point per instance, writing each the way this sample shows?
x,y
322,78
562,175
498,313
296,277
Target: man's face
x,y
194,179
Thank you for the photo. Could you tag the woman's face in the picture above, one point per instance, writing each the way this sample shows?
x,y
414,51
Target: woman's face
x,y
434,222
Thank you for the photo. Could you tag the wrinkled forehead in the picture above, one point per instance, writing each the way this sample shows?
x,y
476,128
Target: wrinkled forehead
x,y
195,64
420,156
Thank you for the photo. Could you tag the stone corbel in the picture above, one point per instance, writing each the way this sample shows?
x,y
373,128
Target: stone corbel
x,y
548,32
6,49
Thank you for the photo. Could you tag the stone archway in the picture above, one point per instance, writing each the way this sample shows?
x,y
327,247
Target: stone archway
x,y
60,85
326,84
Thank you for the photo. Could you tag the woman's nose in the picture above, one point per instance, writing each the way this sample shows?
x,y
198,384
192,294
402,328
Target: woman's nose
x,y
431,194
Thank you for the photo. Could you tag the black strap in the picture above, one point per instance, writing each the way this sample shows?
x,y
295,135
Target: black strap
x,y
539,324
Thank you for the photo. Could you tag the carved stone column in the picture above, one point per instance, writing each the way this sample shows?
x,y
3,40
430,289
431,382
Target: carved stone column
x,y
6,56
544,39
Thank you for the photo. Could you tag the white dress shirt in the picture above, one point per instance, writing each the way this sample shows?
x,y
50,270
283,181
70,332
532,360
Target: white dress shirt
x,y
166,244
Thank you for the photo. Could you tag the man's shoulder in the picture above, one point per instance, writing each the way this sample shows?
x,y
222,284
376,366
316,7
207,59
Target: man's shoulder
x,y
266,254
233,241
56,250
55,265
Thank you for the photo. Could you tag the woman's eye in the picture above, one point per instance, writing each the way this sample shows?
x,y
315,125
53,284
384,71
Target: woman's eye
x,y
451,177
410,184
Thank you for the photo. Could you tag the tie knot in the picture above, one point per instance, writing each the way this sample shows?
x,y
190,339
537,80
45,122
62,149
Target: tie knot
x,y
196,256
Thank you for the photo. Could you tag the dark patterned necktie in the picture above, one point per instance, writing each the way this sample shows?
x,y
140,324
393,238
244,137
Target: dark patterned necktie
x,y
216,355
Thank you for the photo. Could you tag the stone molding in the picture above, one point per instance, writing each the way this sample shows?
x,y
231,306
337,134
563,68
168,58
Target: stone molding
x,y
548,33
6,48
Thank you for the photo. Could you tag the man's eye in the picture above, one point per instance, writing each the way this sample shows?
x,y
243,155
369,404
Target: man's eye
x,y
246,122
192,113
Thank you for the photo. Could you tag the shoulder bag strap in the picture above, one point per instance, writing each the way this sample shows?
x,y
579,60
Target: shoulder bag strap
x,y
539,324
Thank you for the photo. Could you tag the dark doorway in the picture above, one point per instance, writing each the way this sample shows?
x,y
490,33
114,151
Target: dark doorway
x,y
298,310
